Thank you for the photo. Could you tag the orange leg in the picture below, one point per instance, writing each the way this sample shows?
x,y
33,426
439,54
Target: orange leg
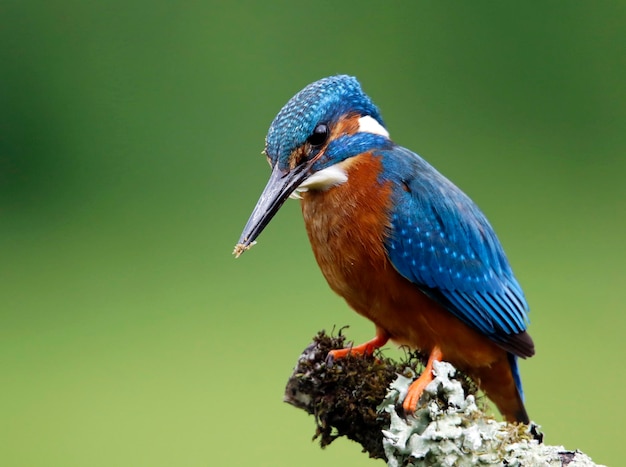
x,y
364,349
417,387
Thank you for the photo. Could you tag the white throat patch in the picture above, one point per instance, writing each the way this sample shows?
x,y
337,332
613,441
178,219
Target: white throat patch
x,y
337,174
369,124
322,180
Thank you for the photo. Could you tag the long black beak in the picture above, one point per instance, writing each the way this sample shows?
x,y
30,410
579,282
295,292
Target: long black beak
x,y
279,187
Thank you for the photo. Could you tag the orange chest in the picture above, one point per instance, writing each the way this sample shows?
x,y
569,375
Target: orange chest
x,y
347,226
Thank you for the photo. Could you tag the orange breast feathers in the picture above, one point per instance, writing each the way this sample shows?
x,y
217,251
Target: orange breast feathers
x,y
347,226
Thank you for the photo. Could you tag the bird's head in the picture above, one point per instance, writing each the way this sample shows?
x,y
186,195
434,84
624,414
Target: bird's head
x,y
326,123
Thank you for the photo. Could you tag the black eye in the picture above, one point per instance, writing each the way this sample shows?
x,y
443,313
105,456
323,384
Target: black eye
x,y
319,136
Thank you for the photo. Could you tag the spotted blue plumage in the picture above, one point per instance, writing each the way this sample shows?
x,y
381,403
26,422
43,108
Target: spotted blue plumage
x,y
436,237
439,239
323,101
442,242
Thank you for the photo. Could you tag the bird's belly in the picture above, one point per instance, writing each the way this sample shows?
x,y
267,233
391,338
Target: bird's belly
x,y
347,230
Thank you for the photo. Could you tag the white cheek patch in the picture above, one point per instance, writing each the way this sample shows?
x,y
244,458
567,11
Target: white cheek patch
x,y
322,180
369,124
336,174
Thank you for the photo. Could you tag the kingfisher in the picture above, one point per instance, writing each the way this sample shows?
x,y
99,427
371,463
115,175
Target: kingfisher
x,y
403,245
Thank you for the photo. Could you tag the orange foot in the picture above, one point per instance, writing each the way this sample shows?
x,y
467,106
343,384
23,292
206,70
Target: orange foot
x,y
364,349
417,387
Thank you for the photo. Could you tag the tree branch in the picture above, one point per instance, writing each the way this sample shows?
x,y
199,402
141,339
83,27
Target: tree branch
x,y
360,398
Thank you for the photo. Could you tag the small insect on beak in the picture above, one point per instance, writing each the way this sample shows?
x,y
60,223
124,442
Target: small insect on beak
x,y
279,187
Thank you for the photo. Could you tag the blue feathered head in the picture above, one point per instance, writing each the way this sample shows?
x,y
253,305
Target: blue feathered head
x,y
322,102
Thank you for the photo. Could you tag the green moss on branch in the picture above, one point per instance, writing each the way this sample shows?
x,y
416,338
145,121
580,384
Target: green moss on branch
x,y
360,398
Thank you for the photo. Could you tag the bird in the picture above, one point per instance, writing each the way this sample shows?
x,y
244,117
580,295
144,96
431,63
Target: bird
x,y
403,245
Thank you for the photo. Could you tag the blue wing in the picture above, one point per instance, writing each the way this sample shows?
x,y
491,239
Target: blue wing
x,y
443,243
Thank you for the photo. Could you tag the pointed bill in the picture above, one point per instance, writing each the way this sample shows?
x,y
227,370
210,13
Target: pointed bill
x,y
279,187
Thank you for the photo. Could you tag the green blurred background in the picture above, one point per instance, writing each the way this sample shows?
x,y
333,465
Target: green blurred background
x,y
130,140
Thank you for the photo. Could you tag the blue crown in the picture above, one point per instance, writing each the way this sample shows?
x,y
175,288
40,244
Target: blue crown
x,y
323,101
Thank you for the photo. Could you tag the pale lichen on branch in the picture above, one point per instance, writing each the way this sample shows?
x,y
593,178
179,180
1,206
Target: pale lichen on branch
x,y
360,398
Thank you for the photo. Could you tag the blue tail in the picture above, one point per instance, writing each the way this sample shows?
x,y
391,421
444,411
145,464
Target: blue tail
x,y
516,375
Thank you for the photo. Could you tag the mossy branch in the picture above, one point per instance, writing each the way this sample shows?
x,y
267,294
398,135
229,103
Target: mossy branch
x,y
360,398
